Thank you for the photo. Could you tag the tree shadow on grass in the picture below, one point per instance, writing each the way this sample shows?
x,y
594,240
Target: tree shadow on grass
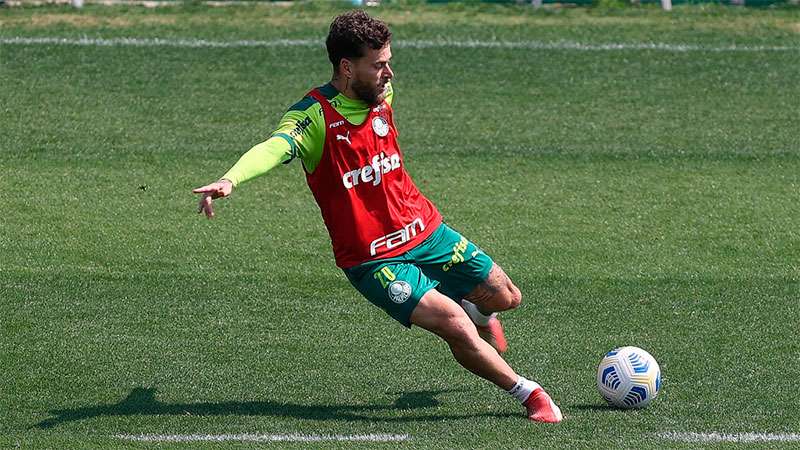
x,y
142,402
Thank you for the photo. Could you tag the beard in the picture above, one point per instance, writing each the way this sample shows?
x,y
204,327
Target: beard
x,y
369,93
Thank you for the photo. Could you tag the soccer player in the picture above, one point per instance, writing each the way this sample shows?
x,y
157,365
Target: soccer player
x,y
387,237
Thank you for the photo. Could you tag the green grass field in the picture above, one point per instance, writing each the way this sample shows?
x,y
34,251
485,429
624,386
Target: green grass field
x,y
637,196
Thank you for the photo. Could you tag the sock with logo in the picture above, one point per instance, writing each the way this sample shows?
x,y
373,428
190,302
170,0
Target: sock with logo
x,y
478,318
522,390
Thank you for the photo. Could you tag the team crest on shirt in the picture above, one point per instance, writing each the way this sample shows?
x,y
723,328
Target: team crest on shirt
x,y
399,291
380,126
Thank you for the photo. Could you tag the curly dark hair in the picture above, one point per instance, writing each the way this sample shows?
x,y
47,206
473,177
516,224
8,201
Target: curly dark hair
x,y
352,32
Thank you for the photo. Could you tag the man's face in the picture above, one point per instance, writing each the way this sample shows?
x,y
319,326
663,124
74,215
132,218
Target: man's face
x,y
371,72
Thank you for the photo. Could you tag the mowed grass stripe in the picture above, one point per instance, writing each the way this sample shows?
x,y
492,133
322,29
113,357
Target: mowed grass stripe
x,y
443,43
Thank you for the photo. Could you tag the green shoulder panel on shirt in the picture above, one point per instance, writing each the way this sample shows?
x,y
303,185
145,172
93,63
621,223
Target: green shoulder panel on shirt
x,y
300,134
303,104
303,125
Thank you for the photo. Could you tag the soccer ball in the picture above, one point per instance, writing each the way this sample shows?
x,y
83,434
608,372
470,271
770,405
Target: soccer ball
x,y
628,377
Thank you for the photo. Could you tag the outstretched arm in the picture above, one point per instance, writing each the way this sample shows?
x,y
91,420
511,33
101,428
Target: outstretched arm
x,y
300,134
257,161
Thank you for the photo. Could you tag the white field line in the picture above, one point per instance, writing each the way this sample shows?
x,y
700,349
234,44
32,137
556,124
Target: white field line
x,y
729,437
150,3
440,43
264,437
156,42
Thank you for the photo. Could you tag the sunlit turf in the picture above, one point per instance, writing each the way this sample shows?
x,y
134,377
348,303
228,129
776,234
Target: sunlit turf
x,y
637,197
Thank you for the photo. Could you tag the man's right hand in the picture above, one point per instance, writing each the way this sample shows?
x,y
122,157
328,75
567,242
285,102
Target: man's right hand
x,y
221,188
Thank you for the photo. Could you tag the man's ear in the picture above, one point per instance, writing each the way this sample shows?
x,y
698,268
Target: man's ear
x,y
346,67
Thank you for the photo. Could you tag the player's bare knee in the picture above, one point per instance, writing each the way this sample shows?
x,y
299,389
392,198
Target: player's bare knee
x,y
514,296
503,294
459,331
505,298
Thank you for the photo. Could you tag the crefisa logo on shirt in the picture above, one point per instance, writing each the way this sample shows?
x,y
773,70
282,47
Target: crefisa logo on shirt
x,y
380,126
372,173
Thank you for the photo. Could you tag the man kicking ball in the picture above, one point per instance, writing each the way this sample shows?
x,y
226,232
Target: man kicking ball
x,y
387,237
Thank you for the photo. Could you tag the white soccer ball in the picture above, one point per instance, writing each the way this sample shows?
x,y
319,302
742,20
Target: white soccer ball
x,y
628,377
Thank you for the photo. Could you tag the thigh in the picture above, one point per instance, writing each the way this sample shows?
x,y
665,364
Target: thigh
x,y
454,261
395,286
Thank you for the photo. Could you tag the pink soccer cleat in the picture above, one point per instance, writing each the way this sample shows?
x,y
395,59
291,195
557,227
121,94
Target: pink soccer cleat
x,y
541,407
493,334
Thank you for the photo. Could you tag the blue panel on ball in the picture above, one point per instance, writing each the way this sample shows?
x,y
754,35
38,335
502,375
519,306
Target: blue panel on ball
x,y
658,381
640,365
610,378
606,373
613,352
636,395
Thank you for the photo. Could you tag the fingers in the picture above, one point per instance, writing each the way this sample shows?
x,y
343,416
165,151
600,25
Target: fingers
x,y
206,206
210,192
204,189
216,190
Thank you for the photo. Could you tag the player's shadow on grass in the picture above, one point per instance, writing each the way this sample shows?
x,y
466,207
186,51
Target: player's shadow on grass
x,y
142,402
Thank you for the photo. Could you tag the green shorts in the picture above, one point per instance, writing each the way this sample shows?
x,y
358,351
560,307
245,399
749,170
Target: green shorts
x,y
445,260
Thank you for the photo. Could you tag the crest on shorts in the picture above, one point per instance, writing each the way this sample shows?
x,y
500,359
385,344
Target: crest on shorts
x,y
399,291
380,126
